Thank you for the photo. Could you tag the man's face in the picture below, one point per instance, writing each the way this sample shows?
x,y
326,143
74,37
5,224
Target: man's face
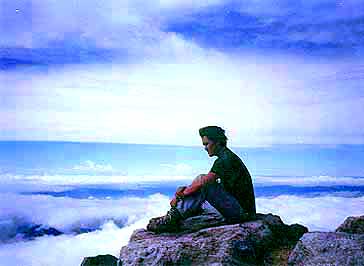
x,y
210,146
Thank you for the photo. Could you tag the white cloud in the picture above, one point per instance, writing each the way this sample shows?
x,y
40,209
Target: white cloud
x,y
309,181
89,165
113,24
177,88
73,215
173,172
320,213
328,9
69,249
187,4
258,100
29,183
180,168
67,215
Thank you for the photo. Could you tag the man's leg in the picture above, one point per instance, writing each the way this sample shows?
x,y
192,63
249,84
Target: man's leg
x,y
224,202
185,208
191,205
218,197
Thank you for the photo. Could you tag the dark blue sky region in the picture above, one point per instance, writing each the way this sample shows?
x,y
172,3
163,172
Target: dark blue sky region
x,y
296,31
81,31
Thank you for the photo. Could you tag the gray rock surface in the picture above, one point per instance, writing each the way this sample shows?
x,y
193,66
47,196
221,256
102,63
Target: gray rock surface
x,y
328,249
208,240
343,247
352,225
100,260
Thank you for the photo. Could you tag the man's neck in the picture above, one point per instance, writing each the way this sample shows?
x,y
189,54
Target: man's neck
x,y
219,150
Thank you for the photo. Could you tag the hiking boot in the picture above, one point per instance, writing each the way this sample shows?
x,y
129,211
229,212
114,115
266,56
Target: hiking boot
x,y
167,223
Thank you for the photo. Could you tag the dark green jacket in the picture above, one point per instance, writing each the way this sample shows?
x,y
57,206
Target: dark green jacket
x,y
235,178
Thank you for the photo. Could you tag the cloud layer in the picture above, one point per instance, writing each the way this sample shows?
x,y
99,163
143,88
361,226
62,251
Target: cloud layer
x,y
326,213
271,98
309,181
318,214
72,216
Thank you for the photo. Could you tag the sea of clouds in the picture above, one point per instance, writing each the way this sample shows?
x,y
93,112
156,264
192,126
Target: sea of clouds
x,y
110,221
309,181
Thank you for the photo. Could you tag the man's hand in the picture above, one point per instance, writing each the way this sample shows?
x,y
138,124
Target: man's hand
x,y
173,202
197,183
178,194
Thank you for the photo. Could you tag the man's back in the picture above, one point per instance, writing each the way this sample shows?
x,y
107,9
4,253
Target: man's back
x,y
235,178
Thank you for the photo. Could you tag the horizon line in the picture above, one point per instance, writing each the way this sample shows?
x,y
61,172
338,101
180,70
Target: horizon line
x,y
183,145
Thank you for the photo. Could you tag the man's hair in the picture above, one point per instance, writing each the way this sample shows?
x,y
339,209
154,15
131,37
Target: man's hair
x,y
214,133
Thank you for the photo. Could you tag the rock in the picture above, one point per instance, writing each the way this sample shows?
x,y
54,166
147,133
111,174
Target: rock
x,y
207,219
329,249
100,260
343,247
207,240
352,225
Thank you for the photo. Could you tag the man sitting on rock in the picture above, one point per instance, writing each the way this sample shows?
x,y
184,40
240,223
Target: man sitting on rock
x,y
227,187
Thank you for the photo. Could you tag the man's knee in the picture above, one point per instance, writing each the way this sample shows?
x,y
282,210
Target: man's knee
x,y
180,189
199,181
197,178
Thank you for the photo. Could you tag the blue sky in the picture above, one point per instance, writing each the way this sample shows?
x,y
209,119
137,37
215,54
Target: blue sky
x,y
269,72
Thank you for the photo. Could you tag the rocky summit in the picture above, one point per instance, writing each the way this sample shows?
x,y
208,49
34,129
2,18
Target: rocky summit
x,y
344,247
207,240
352,225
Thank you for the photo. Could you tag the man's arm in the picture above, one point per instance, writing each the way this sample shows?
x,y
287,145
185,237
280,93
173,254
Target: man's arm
x,y
194,187
198,183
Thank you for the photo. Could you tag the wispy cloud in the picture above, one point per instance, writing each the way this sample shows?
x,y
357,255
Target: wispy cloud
x,y
179,168
275,66
92,166
133,28
121,102
308,181
131,25
311,27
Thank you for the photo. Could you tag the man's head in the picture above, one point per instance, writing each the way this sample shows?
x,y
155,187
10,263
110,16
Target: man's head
x,y
213,138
